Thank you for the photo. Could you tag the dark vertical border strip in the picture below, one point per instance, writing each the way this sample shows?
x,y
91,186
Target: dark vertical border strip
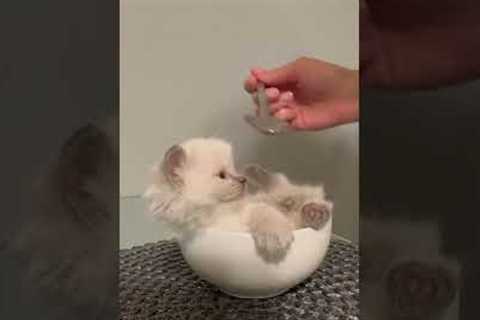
x,y
59,93
419,159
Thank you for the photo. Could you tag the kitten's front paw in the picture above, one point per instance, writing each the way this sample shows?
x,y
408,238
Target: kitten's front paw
x,y
257,176
273,247
316,215
254,170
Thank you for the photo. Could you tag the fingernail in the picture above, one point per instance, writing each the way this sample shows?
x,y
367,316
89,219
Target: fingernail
x,y
272,92
284,114
256,72
281,113
286,96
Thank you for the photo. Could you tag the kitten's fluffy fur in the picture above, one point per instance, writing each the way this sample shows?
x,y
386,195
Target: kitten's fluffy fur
x,y
197,186
304,205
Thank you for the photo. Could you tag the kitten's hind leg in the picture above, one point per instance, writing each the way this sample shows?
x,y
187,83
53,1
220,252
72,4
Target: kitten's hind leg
x,y
316,215
271,231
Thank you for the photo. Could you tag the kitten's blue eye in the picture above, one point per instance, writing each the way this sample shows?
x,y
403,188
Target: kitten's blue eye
x,y
222,175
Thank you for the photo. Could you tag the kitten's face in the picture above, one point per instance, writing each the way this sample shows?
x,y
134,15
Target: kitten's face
x,y
203,170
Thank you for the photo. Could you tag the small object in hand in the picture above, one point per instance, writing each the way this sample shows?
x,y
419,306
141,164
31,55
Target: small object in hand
x,y
263,121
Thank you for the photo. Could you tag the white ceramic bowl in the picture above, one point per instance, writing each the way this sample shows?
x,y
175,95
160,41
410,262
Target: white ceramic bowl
x,y
229,261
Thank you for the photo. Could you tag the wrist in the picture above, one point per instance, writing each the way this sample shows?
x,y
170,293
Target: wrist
x,y
347,110
350,90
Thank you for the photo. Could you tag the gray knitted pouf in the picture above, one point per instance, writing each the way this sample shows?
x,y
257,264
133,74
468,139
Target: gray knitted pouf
x,y
156,283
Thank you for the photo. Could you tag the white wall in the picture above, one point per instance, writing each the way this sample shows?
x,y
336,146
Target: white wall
x,y
182,68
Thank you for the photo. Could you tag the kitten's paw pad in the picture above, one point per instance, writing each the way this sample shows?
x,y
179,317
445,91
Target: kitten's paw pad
x,y
273,247
316,215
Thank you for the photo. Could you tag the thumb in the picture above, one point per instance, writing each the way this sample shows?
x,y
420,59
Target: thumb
x,y
311,120
278,76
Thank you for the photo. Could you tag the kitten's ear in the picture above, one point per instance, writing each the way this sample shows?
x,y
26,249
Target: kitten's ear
x,y
259,176
174,159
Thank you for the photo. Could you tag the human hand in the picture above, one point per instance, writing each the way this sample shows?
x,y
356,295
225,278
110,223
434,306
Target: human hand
x,y
418,44
309,94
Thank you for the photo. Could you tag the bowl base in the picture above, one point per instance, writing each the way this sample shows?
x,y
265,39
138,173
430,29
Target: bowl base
x,y
236,295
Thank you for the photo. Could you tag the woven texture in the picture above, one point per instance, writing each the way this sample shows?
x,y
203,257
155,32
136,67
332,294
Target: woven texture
x,y
156,283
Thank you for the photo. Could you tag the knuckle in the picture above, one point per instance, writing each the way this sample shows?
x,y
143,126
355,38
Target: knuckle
x,y
302,60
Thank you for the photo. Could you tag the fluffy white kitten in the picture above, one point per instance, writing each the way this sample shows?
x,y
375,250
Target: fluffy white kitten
x,y
197,186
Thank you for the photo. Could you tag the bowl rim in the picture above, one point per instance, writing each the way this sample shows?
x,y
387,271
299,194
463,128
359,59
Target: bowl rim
x,y
249,235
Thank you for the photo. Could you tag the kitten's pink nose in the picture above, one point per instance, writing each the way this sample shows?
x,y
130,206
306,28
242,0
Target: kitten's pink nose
x,y
241,179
